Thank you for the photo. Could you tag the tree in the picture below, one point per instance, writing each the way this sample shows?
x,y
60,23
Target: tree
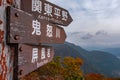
x,y
72,69
53,69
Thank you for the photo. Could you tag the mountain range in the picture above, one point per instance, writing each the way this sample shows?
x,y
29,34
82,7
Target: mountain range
x,y
114,51
94,61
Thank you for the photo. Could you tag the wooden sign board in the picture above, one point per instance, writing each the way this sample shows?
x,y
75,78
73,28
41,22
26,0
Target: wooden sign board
x,y
43,9
24,28
0,2
32,57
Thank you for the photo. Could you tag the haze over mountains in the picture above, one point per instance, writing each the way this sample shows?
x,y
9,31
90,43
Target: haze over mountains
x,y
94,61
114,51
100,40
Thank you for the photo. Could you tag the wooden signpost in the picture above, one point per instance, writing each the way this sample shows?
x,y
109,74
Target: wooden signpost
x,y
34,31
24,26
45,10
32,57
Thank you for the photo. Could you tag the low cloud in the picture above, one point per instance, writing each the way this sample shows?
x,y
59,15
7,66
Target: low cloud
x,y
101,32
87,36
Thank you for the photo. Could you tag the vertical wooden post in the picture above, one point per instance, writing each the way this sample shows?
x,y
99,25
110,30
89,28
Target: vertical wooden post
x,y
14,49
6,52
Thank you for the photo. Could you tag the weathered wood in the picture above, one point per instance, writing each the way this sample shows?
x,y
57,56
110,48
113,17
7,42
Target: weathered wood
x,y
45,10
6,55
32,57
24,28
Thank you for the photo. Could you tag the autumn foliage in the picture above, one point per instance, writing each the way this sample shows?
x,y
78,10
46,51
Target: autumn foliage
x,y
72,69
94,77
68,69
58,69
64,69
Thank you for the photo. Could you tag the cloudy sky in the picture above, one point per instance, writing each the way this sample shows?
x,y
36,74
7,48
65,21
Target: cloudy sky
x,y
96,23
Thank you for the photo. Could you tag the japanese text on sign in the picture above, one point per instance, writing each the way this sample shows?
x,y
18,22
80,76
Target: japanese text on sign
x,y
57,33
45,53
49,10
37,6
36,26
34,55
49,31
34,31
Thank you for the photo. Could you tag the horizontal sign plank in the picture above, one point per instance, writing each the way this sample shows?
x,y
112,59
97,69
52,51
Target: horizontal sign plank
x,y
24,28
45,10
32,57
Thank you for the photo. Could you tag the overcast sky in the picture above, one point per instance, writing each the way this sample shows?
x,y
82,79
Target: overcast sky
x,y
95,22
